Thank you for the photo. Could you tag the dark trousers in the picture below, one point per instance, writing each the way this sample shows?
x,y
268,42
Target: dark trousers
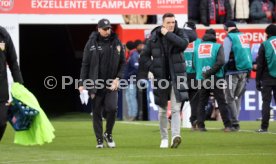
x,y
193,93
193,98
142,105
219,95
3,118
104,102
267,96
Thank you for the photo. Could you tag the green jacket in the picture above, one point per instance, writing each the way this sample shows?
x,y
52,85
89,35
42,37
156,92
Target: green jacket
x,y
241,50
189,55
205,58
270,55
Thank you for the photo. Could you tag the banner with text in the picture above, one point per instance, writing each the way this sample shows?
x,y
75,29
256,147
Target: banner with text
x,y
93,6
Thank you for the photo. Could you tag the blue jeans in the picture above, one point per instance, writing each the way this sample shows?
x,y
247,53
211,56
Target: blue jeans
x,y
131,98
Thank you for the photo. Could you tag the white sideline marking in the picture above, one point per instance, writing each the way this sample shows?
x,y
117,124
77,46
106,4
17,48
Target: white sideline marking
x,y
146,124
136,123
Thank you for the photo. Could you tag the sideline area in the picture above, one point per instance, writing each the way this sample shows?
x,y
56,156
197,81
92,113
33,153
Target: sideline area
x,y
138,142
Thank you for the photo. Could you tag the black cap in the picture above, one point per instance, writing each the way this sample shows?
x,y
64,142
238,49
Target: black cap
x,y
271,30
230,24
103,23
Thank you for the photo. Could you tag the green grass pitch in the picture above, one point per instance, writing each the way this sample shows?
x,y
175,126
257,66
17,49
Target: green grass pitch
x,y
138,142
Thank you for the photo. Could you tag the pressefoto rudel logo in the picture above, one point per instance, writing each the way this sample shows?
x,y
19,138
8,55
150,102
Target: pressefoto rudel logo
x,y
6,5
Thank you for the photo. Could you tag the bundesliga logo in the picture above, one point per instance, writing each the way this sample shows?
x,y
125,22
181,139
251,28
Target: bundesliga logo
x,y
6,5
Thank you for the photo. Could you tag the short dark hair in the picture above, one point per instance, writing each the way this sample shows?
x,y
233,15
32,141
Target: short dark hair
x,y
130,45
271,30
166,15
137,42
210,31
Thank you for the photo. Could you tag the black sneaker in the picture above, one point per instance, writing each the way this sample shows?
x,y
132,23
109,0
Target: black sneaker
x,y
202,129
99,143
109,140
261,131
236,127
194,126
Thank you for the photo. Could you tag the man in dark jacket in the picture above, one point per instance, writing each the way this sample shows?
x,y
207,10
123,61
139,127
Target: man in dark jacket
x,y
266,74
102,65
7,56
163,56
209,62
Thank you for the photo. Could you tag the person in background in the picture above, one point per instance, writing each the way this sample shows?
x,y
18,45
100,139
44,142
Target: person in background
x,y
193,11
163,56
238,65
7,56
131,72
209,62
262,11
215,11
191,76
103,59
266,74
240,10
128,48
135,19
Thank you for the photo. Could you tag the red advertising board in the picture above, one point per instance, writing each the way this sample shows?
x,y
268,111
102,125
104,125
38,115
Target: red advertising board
x,y
254,33
93,6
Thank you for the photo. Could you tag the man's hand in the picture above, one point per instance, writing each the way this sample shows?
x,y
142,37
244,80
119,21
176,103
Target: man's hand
x,y
204,75
92,96
268,14
8,103
114,85
81,88
150,75
254,67
164,30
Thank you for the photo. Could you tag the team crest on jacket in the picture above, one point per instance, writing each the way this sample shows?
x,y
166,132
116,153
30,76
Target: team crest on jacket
x,y
205,50
119,49
244,40
273,44
2,46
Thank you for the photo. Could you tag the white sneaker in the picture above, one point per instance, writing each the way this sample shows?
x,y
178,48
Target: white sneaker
x,y
176,140
164,143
